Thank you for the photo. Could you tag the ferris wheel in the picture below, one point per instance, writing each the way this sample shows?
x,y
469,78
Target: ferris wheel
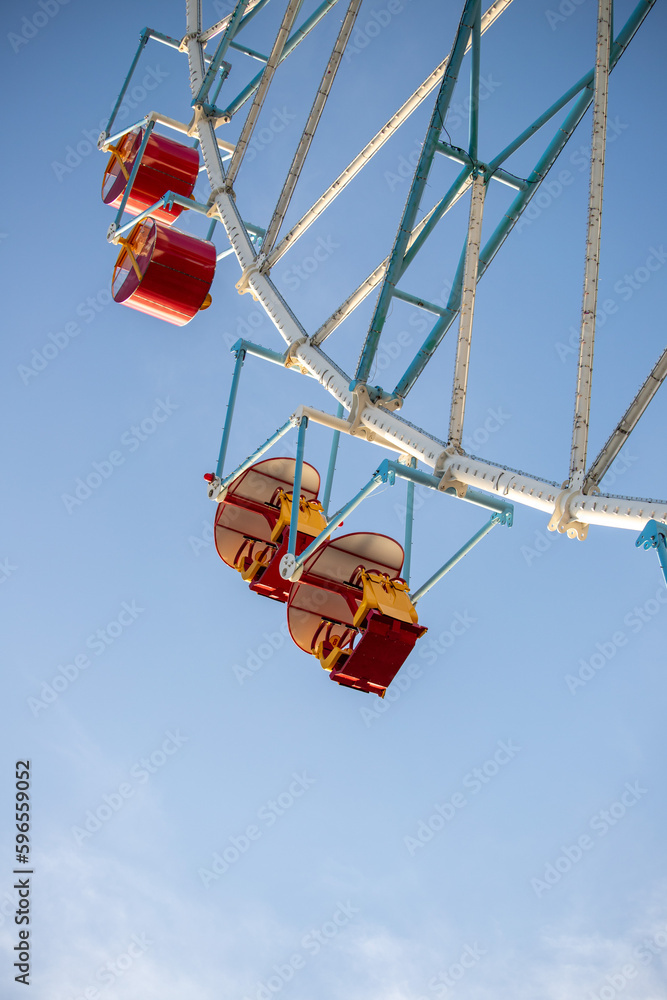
x,y
348,597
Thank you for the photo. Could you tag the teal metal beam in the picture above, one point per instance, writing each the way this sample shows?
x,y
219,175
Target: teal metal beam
x,y
441,209
143,39
232,28
332,462
396,259
240,358
339,516
409,520
457,557
260,352
133,173
291,43
512,215
495,173
269,443
420,303
249,52
473,124
296,490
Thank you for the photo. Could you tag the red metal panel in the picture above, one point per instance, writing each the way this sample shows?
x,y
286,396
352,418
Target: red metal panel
x,y
324,590
247,513
176,272
378,656
165,166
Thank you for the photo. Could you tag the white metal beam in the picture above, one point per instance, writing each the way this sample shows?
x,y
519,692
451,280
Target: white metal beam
x,y
267,76
628,422
308,133
469,287
219,26
582,406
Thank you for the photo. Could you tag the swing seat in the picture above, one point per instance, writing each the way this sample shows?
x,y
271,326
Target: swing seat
x,y
352,611
164,272
252,522
165,166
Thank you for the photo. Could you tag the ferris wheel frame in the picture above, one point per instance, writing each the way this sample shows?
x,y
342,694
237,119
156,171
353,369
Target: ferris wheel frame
x,y
371,412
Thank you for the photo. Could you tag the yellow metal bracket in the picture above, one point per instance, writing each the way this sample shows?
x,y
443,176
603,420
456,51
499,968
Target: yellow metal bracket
x,y
121,162
128,249
389,597
311,516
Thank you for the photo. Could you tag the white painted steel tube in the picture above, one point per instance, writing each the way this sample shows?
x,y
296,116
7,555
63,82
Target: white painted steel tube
x,y
582,405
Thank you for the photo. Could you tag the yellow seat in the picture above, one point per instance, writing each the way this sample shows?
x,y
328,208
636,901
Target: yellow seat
x,y
389,597
311,516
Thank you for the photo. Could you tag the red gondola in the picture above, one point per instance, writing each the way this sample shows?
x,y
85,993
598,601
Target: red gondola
x,y
252,522
165,166
351,610
164,272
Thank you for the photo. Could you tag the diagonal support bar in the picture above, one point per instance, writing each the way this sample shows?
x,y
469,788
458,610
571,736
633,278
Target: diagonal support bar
x,y
233,26
417,188
457,190
308,134
332,462
134,171
376,143
627,423
534,180
462,363
240,358
290,567
457,557
265,82
269,443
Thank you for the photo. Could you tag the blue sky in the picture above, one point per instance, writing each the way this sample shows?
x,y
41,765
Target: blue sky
x,y
260,831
